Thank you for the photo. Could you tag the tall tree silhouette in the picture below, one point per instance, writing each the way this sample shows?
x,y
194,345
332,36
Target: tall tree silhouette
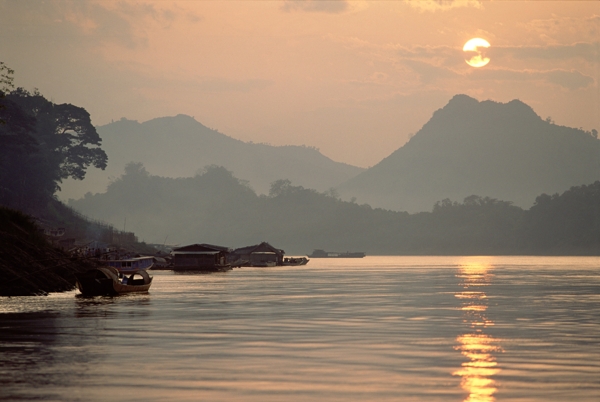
x,y
45,144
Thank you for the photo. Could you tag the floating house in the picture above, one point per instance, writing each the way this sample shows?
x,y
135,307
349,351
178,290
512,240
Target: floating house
x,y
260,255
200,257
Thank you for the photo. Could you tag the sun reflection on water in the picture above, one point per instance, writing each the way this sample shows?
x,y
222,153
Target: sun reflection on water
x,y
477,373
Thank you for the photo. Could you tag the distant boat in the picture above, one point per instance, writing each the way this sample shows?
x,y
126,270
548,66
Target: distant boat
x,y
105,281
293,261
334,254
130,265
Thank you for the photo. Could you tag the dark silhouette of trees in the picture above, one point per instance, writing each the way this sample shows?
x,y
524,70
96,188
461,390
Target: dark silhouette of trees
x,y
42,144
215,207
569,222
6,84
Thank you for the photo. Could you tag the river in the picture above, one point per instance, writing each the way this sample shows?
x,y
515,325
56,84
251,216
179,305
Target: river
x,y
476,329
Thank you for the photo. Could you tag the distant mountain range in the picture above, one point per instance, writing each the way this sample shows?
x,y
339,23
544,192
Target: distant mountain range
x,y
180,146
486,153
500,150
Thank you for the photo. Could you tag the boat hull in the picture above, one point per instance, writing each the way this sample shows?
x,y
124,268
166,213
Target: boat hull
x,y
104,281
293,261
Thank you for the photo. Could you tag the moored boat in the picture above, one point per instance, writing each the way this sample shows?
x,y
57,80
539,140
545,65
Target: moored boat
x,y
107,281
334,254
294,261
131,265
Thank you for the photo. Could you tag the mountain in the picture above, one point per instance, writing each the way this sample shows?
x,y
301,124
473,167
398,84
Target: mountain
x,y
179,146
500,150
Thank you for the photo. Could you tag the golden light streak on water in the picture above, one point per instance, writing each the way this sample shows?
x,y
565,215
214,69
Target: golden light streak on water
x,y
477,373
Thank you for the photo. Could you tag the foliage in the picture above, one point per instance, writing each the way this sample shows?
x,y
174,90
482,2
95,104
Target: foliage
x,y
42,144
6,84
215,207
566,222
6,78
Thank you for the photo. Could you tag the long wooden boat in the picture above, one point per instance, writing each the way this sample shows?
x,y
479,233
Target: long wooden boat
x,y
106,281
131,265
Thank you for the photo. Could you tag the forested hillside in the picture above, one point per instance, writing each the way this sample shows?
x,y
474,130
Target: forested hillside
x,y
215,207
503,150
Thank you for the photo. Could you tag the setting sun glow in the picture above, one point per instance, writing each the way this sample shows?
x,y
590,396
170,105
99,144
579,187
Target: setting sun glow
x,y
473,47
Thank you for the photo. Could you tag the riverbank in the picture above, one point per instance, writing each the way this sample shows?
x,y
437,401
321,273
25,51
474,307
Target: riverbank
x,y
29,263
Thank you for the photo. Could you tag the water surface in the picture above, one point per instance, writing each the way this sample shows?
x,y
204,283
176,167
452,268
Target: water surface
x,y
378,328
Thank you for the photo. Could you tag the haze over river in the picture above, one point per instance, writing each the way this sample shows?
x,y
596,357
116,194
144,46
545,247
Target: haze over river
x,y
371,329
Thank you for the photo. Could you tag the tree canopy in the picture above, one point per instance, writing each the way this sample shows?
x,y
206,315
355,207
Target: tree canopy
x,y
42,144
6,84
215,207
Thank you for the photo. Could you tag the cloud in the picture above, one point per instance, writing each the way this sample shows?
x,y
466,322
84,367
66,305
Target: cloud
x,y
568,79
378,78
150,81
226,85
566,29
452,57
434,64
438,55
586,51
317,6
87,22
430,72
442,5
571,80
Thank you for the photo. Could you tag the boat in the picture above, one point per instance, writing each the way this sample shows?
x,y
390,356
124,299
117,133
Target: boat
x,y
294,261
108,281
131,265
318,253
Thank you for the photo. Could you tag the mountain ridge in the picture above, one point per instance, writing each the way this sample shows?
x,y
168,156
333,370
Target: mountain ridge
x,y
180,146
501,150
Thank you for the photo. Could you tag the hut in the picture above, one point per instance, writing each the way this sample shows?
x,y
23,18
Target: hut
x,y
260,255
200,257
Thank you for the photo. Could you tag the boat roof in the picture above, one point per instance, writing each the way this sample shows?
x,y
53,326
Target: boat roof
x,y
196,252
132,259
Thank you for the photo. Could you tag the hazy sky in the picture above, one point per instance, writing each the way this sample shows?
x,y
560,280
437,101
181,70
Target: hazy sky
x,y
353,78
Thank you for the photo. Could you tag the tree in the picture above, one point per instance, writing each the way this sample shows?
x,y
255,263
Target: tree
x,y
46,143
280,187
6,84
66,133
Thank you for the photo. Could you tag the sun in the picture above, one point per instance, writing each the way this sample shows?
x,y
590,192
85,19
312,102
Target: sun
x,y
473,46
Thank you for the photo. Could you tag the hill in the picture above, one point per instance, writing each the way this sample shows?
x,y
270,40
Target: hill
x,y
216,208
179,146
502,150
